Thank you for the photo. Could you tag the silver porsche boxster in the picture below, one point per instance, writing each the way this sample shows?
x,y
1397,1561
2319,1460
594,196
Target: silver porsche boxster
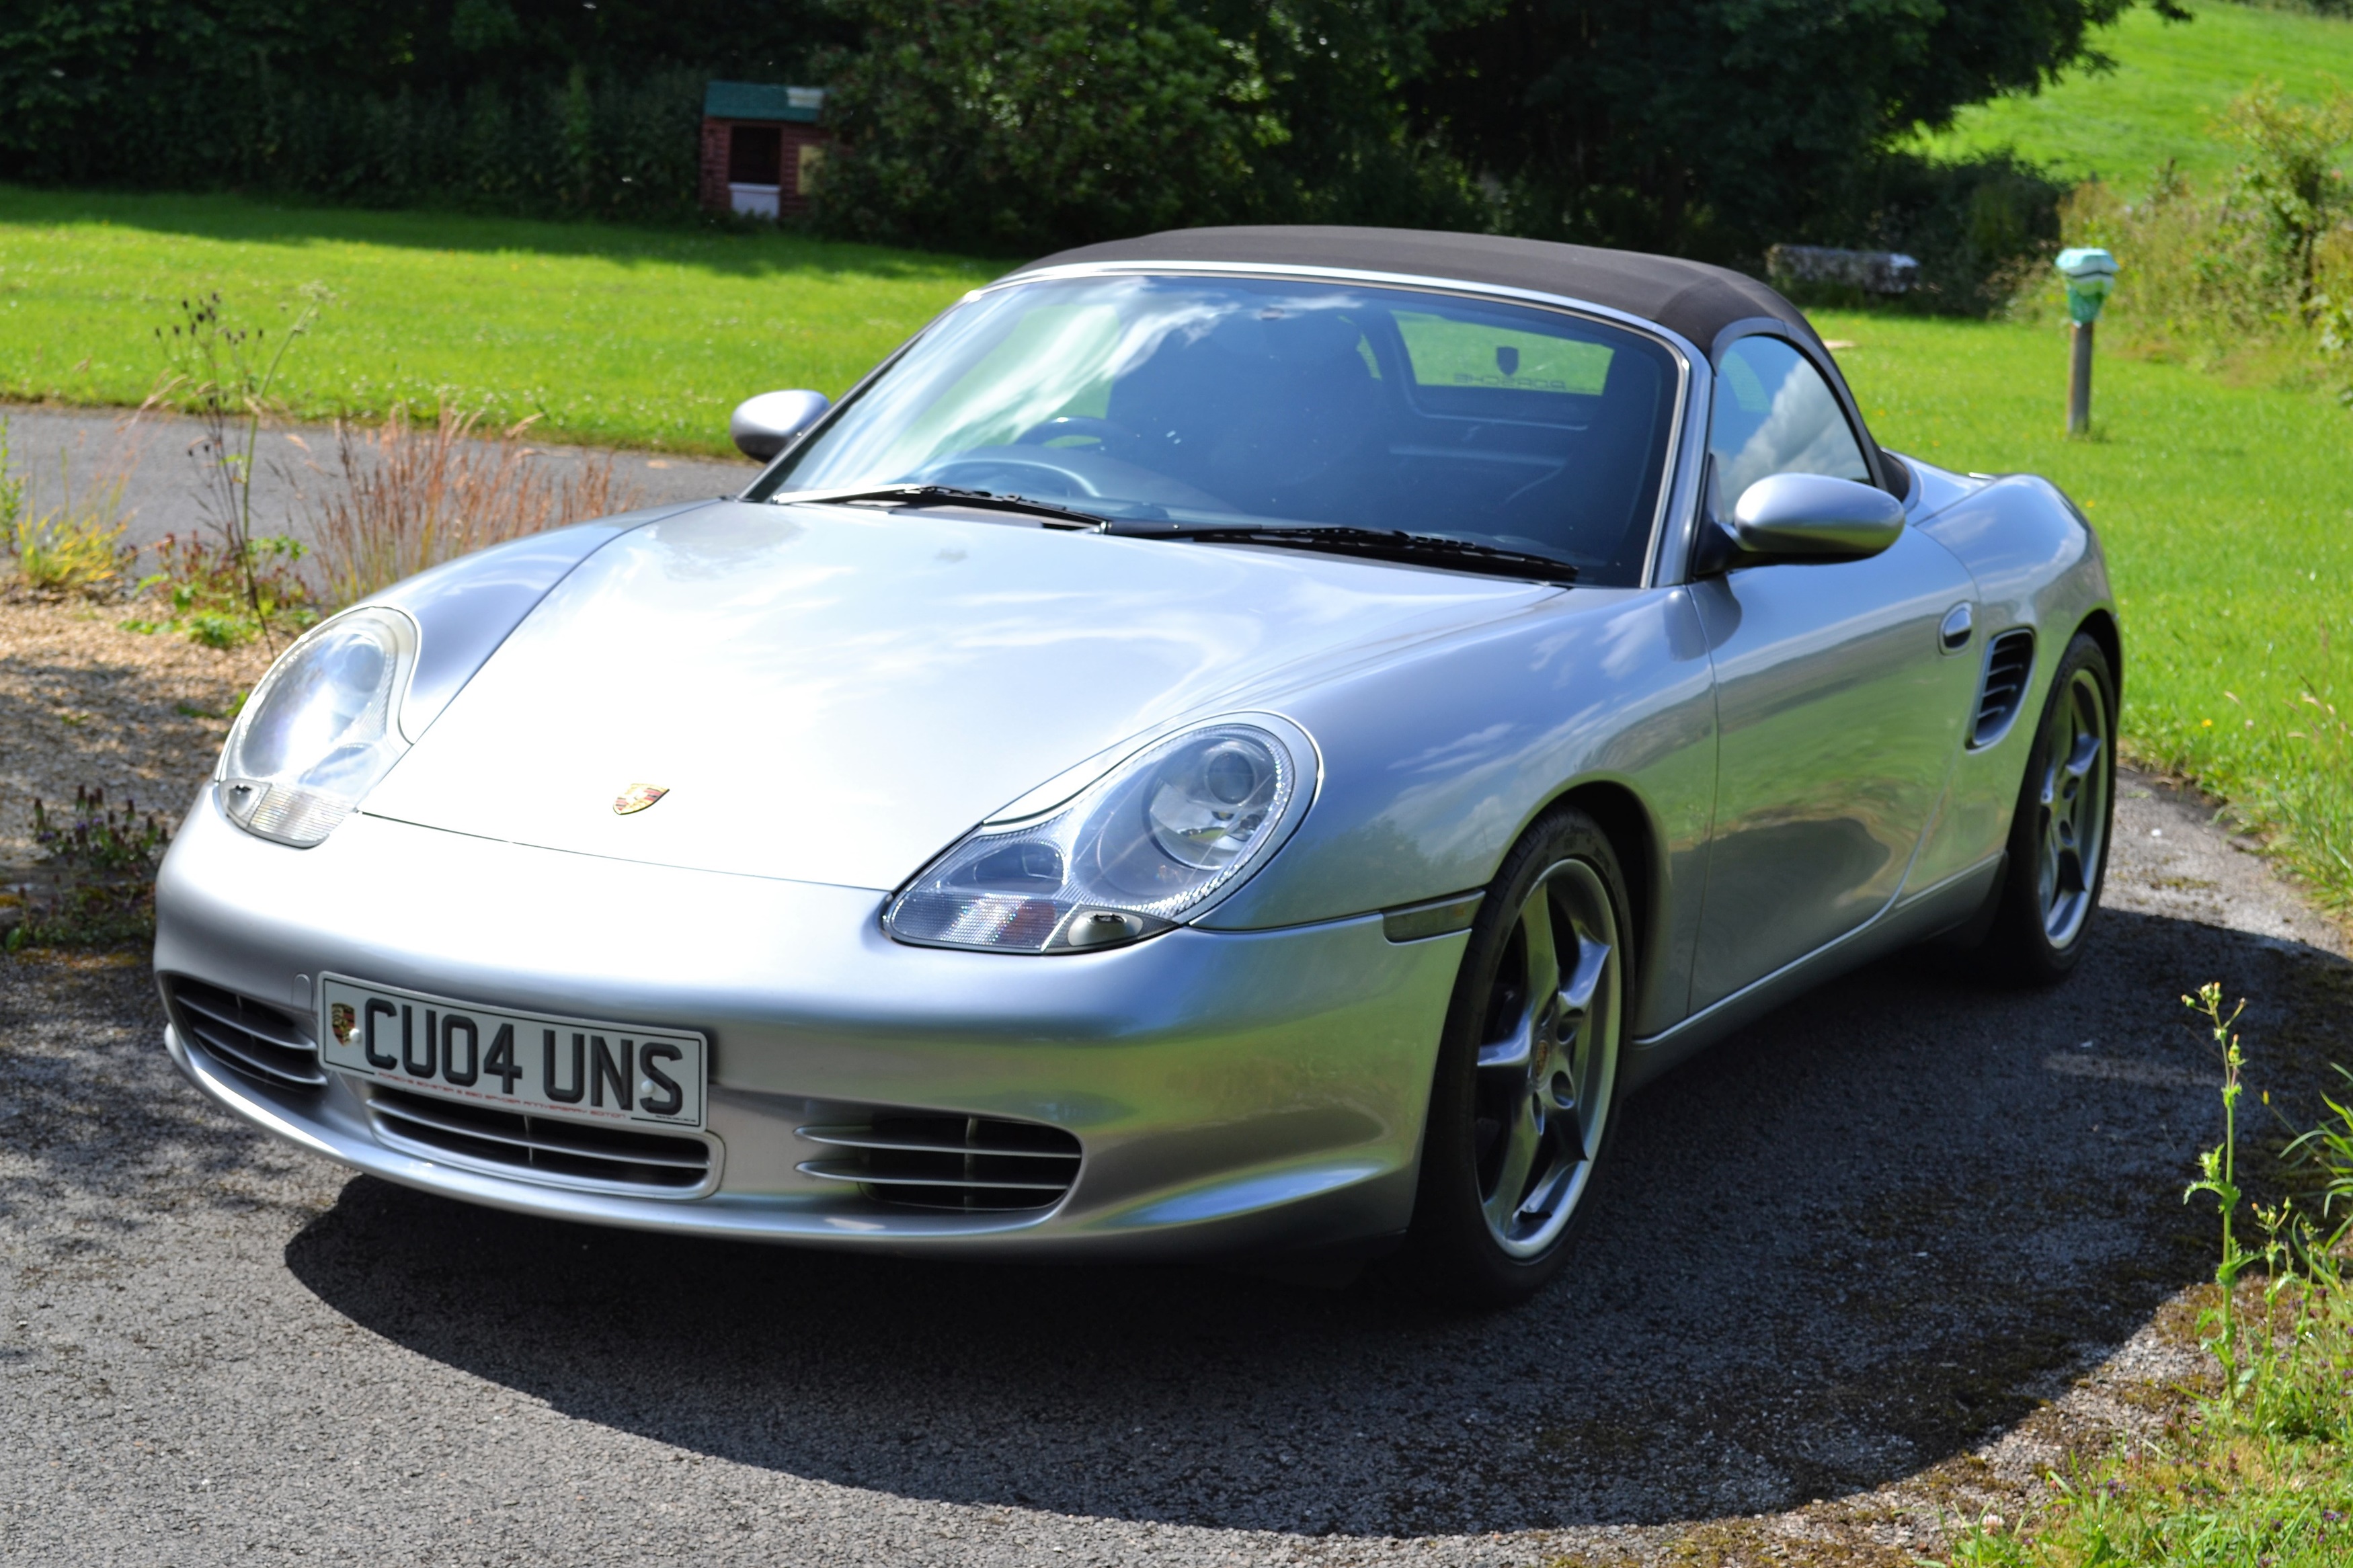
x,y
1246,741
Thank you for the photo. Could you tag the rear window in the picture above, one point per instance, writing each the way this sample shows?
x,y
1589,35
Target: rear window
x,y
1450,352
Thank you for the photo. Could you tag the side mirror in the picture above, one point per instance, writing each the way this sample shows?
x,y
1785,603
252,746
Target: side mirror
x,y
1803,516
765,425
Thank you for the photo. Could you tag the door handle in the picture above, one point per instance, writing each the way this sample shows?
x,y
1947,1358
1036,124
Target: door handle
x,y
1953,636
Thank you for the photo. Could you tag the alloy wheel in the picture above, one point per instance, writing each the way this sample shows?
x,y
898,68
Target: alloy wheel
x,y
2074,807
1547,1059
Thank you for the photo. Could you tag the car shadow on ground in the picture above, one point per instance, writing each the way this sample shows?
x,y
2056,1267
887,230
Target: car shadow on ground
x,y
1862,1235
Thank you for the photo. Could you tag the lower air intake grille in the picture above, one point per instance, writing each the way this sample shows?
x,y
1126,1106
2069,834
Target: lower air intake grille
x,y
242,1035
950,1162
2008,664
571,1151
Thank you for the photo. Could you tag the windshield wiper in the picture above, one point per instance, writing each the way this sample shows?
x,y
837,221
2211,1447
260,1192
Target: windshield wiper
x,y
1380,543
950,495
1376,544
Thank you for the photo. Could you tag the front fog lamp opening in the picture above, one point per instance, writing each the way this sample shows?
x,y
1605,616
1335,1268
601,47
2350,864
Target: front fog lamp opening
x,y
1152,844
320,728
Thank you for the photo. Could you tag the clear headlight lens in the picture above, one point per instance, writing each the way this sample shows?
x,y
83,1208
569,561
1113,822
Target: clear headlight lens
x,y
1157,841
320,728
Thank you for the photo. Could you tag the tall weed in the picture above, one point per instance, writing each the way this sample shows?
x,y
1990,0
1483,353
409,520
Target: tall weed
x,y
96,880
2258,1473
15,488
224,373
406,498
74,547
209,592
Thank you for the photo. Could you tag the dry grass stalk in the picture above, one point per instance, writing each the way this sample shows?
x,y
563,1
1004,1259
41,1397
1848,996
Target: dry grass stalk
x,y
76,546
411,498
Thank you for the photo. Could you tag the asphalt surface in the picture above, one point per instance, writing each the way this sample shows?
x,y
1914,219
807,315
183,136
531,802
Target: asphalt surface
x,y
160,461
1854,1241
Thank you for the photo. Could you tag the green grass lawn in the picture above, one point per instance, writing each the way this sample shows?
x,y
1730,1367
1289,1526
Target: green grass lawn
x,y
2227,514
2171,79
635,337
2227,510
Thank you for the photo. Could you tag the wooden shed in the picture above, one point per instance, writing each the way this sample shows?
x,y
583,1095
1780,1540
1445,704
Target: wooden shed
x,y
762,147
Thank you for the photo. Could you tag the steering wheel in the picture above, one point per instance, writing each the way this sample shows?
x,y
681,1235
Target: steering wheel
x,y
1007,474
1074,425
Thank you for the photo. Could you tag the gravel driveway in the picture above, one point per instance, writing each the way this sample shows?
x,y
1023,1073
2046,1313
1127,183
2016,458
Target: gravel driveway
x,y
1843,1251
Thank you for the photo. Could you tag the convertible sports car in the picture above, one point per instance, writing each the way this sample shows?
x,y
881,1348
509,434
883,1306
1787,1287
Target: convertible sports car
x,y
1240,741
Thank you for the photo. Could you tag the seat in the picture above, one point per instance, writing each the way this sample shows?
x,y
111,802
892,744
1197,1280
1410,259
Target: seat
x,y
1594,507
1263,410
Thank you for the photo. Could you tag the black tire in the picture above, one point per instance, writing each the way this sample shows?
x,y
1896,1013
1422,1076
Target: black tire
x,y
2061,832
1473,1240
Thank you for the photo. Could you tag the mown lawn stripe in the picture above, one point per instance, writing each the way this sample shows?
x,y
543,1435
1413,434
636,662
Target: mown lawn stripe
x,y
639,338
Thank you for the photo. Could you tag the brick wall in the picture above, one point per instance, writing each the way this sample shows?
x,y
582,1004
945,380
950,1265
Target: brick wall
x,y
804,151
712,191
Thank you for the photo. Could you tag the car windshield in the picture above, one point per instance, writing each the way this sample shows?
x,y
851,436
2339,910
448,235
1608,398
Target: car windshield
x,y
1276,404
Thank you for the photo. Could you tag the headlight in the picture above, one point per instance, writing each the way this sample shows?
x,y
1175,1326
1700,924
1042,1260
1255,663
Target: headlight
x,y
1157,841
320,728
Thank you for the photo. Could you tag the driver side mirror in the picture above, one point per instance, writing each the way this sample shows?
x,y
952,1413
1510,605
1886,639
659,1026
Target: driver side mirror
x,y
1798,518
765,425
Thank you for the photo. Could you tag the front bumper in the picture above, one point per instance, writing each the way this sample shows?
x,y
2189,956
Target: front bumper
x,y
1231,1092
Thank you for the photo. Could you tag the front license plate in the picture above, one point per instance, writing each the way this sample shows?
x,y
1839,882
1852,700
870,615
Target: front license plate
x,y
532,1062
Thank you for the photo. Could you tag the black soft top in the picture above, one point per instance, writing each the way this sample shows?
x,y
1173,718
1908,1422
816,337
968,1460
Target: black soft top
x,y
1691,298
1686,297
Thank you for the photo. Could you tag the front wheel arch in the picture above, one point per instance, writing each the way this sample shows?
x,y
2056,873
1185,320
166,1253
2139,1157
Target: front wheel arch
x,y
1626,821
2100,626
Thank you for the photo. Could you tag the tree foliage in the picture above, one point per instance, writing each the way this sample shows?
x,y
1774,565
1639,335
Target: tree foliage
x,y
1026,125
1339,77
546,106
1706,127
1716,126
1038,124
2288,179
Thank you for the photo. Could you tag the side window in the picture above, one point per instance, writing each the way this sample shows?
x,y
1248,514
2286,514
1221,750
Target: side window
x,y
1774,415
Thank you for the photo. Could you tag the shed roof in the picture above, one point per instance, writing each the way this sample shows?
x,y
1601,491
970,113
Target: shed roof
x,y
762,101
1688,297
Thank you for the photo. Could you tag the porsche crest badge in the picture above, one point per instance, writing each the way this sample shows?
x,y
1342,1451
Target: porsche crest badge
x,y
637,798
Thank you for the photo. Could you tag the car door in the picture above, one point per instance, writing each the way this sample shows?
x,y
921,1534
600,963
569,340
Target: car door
x,y
1839,708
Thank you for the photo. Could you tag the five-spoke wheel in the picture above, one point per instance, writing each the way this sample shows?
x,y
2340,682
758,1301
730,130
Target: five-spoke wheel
x,y
1547,1059
2059,834
2073,815
1527,1073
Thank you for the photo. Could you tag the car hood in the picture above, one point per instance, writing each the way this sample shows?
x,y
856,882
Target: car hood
x,y
835,694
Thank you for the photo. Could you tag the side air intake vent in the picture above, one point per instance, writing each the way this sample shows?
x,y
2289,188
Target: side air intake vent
x,y
2009,663
950,1162
242,1035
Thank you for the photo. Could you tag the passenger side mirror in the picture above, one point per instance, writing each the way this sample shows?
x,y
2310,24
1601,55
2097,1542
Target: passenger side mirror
x,y
1801,517
765,425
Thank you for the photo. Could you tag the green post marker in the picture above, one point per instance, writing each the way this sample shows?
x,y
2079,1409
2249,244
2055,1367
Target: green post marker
x,y
2090,273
